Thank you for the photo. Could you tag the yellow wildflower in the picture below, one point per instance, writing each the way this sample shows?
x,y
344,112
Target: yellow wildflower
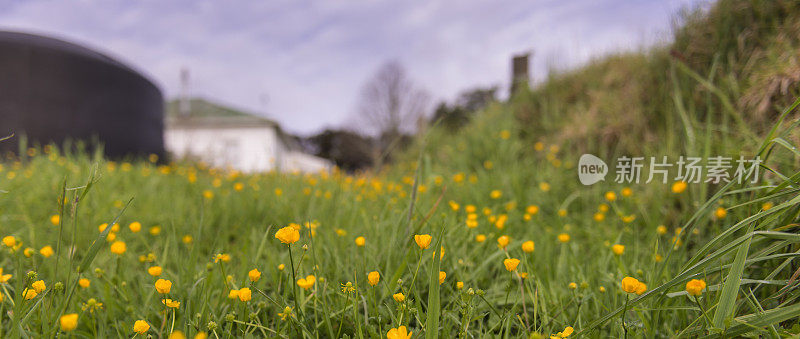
x,y
511,264
140,326
398,333
360,241
68,322
288,235
254,275
695,287
163,286
154,271
423,240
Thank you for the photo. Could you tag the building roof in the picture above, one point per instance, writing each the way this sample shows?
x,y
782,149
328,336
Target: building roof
x,y
205,114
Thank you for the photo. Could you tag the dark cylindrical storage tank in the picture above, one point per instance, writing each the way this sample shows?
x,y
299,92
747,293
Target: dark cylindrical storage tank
x,y
52,90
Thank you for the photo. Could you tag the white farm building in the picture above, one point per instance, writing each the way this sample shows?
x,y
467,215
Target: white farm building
x,y
227,138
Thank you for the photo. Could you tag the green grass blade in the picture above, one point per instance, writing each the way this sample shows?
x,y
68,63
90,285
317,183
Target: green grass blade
x,y
99,241
432,322
730,289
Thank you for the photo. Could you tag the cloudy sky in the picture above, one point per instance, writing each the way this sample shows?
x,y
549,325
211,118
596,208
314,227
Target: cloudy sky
x,y
304,63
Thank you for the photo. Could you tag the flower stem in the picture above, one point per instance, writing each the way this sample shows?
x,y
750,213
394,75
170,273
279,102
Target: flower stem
x,y
294,286
625,310
702,309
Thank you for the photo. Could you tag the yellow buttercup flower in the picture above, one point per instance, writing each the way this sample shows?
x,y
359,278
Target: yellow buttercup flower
x,y
135,226
233,294
177,335
154,271
511,264
679,186
163,286
398,297
618,249
563,334
572,286
118,247
39,286
281,267
767,205
224,257
28,252
626,192
695,287
661,229
563,238
480,238
398,333
361,241
496,194
245,294
141,326
9,241
187,239
641,288
47,251
155,230
599,217
208,194
562,212
630,284
84,283
442,276
288,235
500,223
55,219
545,187
68,322
503,241
532,209
611,196
720,213
306,282
29,294
287,312
171,303
102,227
373,277
459,285
254,275
453,205
423,240
528,246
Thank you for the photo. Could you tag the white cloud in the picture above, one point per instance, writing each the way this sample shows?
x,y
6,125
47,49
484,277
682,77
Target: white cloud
x,y
311,58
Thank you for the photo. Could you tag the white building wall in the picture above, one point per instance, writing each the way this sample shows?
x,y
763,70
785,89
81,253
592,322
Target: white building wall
x,y
250,149
299,161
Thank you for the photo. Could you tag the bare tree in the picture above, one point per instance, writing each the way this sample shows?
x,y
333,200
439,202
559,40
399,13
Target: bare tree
x,y
391,104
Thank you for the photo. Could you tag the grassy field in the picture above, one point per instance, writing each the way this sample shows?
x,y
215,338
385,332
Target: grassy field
x,y
483,198
518,248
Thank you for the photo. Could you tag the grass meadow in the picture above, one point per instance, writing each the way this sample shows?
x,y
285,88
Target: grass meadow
x,y
200,252
480,232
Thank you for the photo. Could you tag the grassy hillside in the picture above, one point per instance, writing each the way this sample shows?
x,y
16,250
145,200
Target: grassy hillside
x,y
731,68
